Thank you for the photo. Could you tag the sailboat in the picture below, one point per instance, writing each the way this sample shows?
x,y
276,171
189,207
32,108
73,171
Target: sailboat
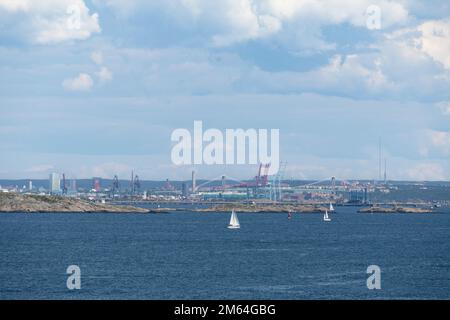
x,y
326,217
331,207
234,221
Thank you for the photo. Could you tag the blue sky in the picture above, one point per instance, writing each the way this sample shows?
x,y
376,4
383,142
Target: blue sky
x,y
103,99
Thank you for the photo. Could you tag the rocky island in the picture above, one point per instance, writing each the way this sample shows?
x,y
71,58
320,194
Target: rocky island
x,y
13,202
264,208
377,209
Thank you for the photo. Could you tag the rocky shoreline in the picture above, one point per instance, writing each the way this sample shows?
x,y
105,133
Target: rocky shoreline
x,y
13,202
28,203
376,209
242,208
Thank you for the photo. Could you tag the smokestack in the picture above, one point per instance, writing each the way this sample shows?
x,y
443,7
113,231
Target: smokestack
x,y
193,181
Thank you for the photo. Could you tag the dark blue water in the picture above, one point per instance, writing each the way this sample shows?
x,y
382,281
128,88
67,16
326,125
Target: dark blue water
x,y
194,256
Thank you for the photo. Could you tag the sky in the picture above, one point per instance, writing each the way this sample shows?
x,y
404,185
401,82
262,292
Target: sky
x,y
95,88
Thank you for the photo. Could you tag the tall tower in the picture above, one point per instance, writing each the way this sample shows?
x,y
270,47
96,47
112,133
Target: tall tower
x,y
115,185
54,183
193,181
379,159
137,184
184,191
64,185
132,183
333,185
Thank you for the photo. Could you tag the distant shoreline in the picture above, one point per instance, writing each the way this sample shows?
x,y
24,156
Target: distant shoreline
x,y
23,203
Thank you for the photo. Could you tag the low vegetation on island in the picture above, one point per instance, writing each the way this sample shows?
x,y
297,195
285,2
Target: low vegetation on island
x,y
14,202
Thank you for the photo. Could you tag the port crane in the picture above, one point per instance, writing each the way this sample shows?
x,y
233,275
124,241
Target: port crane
x,y
115,186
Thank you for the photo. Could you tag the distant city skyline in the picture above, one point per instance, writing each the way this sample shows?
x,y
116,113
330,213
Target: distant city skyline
x,y
101,96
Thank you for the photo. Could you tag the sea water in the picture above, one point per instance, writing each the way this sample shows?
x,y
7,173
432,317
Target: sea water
x,y
187,255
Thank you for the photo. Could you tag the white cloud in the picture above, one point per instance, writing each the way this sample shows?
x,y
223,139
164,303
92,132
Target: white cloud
x,y
440,140
83,82
394,66
435,40
354,75
337,11
297,22
390,71
123,8
444,107
431,38
15,5
97,57
427,172
244,22
53,21
104,74
41,168
350,72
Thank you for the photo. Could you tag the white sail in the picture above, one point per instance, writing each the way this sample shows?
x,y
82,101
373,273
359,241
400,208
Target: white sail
x,y
234,221
326,217
331,207
232,218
